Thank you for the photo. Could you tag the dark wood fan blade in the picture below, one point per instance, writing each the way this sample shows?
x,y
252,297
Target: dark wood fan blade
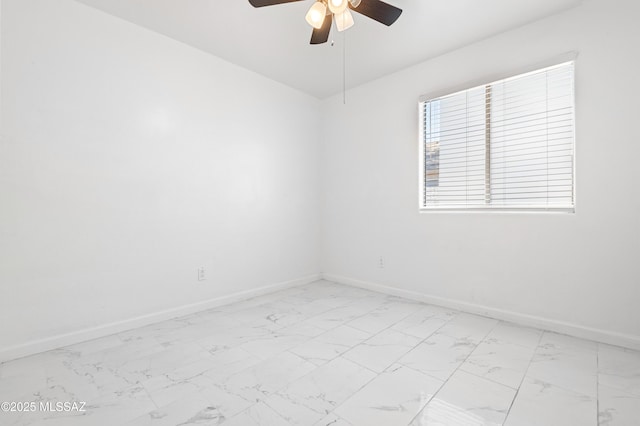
x,y
322,35
263,3
378,11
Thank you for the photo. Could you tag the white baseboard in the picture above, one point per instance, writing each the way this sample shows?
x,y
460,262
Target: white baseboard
x,y
598,335
59,341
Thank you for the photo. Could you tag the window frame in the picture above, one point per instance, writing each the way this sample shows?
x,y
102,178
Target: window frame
x,y
558,60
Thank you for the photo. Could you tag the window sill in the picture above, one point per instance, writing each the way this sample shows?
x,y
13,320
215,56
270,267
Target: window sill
x,y
500,210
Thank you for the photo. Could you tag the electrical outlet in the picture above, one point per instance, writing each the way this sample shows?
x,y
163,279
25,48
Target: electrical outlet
x,y
201,274
381,263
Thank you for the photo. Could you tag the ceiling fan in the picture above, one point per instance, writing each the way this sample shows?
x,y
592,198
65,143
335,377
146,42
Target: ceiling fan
x,y
324,12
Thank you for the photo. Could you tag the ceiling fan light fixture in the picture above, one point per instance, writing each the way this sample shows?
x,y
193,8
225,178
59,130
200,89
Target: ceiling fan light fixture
x,y
338,6
315,15
323,12
344,21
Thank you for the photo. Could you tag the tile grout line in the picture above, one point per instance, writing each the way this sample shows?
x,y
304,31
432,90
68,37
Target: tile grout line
x,y
487,379
566,388
455,370
288,350
386,299
344,324
268,359
325,331
378,374
256,404
524,376
316,367
401,356
409,335
375,372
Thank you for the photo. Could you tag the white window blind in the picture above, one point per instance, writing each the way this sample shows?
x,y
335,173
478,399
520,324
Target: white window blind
x,y
503,145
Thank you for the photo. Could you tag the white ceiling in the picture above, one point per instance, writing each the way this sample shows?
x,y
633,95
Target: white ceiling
x,y
274,41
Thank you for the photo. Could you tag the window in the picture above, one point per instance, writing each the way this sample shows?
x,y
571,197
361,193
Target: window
x,y
504,145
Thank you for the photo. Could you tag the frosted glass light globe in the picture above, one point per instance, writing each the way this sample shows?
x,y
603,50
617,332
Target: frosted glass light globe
x,y
338,6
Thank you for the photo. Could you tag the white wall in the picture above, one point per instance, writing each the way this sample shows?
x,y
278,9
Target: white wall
x,y
580,269
127,161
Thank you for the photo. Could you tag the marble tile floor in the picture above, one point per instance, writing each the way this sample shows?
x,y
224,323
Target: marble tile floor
x,y
327,354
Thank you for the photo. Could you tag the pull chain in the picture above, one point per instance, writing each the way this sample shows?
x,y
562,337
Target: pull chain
x,y
344,67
